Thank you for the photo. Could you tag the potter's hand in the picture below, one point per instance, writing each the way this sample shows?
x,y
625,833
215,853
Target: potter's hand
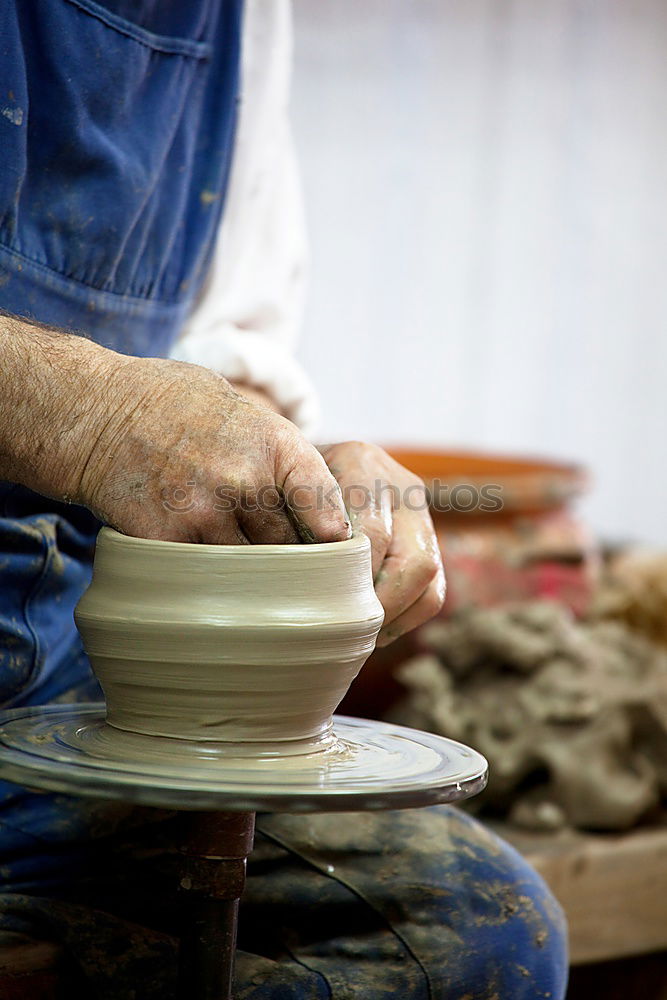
x,y
389,504
156,448
182,456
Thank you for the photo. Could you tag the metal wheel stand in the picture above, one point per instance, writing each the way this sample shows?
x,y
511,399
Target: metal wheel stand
x,y
214,850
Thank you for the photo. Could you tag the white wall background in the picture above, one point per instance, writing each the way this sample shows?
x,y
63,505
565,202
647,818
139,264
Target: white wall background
x,y
487,199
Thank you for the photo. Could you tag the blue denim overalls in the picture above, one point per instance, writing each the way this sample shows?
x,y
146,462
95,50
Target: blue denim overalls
x,y
116,132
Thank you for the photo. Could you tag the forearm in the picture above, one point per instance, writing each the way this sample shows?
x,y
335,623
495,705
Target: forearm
x,y
51,388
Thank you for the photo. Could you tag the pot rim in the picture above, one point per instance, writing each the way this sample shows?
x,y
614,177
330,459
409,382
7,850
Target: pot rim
x,y
358,540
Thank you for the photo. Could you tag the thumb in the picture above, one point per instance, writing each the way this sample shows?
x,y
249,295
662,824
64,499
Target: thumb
x,y
313,499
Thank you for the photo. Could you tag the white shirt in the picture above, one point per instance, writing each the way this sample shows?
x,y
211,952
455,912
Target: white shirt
x,y
246,321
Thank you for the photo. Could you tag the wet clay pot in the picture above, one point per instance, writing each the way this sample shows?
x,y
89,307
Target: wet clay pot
x,y
243,645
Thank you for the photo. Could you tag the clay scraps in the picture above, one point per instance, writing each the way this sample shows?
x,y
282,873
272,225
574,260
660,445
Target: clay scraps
x,y
572,715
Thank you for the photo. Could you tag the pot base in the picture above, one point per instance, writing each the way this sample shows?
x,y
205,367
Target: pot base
x,y
364,765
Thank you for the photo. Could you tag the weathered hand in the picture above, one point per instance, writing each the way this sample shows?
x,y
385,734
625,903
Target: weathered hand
x,y
389,504
178,455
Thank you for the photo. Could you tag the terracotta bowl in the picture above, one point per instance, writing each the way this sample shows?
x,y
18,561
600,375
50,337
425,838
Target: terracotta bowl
x,y
229,644
527,485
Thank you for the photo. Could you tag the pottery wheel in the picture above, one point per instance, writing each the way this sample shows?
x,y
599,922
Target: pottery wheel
x,y
365,765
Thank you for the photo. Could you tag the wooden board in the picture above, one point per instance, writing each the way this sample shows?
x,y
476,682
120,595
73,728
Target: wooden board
x,y
640,978
612,887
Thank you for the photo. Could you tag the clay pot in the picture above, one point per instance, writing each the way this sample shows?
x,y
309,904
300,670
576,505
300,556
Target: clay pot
x,y
243,645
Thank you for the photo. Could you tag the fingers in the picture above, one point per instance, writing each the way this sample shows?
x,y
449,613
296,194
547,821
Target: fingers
x,y
244,527
374,516
205,524
390,505
370,498
199,526
312,496
224,531
242,516
425,607
411,570
268,522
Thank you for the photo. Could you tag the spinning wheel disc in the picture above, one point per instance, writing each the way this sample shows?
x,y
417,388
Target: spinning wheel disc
x,y
365,765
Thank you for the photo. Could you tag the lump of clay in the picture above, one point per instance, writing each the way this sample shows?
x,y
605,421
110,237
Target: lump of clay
x,y
572,716
633,590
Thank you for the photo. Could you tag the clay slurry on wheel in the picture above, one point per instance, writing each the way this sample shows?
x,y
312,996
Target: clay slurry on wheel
x,y
370,765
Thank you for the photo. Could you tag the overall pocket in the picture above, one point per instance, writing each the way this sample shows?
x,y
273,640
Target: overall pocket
x,y
101,134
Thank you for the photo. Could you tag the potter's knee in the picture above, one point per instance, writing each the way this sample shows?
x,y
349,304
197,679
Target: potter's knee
x,y
517,934
538,965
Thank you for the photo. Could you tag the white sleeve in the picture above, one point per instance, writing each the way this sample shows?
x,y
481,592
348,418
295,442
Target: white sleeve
x,y
246,321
